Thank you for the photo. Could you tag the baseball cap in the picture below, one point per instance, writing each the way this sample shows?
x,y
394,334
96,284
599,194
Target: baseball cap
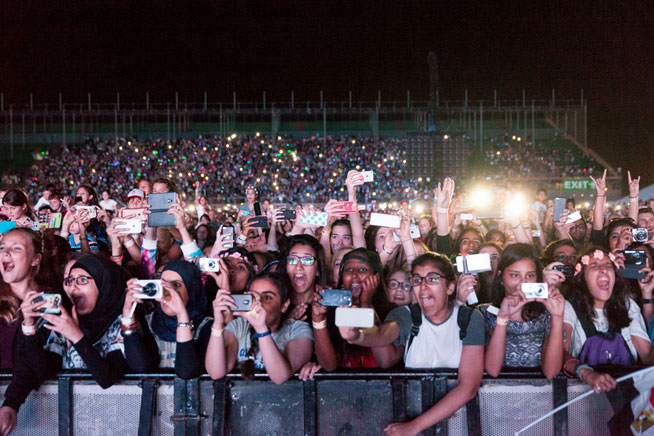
x,y
136,193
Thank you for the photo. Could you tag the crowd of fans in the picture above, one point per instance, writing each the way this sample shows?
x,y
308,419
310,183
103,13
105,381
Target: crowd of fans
x,y
214,293
513,157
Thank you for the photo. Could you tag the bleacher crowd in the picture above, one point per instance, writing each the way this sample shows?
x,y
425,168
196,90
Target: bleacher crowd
x,y
89,284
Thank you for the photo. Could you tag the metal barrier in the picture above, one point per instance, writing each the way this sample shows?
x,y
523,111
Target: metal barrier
x,y
344,403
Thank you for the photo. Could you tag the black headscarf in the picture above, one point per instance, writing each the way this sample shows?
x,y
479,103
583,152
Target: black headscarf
x,y
380,300
165,326
111,280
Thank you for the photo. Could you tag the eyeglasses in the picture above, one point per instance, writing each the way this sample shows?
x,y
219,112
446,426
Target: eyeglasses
x,y
306,260
394,284
80,280
431,279
565,259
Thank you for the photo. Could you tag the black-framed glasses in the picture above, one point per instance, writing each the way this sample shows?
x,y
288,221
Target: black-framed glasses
x,y
431,279
569,259
395,284
306,260
80,280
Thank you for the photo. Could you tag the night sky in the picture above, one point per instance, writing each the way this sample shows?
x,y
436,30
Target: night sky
x,y
604,47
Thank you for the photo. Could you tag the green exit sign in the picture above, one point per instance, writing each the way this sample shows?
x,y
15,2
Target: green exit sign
x,y
581,184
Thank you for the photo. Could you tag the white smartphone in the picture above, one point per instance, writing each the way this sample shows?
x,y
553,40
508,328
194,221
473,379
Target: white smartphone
x,y
354,317
128,226
467,217
385,220
368,176
574,216
477,263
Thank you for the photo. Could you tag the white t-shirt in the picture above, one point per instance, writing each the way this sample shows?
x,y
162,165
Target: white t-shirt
x,y
42,202
439,346
636,327
108,204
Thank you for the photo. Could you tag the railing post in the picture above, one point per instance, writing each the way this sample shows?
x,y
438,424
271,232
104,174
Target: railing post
x,y
65,398
186,418
473,414
179,401
560,396
148,396
310,407
440,385
398,387
427,397
219,407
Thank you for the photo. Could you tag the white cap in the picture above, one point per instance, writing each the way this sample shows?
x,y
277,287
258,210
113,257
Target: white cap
x,y
136,193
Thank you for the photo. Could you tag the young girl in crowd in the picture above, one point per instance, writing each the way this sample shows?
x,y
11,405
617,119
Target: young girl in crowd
x,y
15,206
524,333
598,301
176,322
259,338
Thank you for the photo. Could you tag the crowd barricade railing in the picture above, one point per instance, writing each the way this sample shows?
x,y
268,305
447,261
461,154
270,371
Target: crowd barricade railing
x,y
339,403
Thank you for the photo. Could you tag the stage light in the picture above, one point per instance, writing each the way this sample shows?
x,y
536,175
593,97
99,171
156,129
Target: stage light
x,y
516,206
479,197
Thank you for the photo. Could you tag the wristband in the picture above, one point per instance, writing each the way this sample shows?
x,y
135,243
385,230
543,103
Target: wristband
x,y
502,321
83,238
578,369
630,198
28,330
442,210
600,196
261,335
217,332
128,327
126,321
185,324
129,243
568,373
648,300
117,259
319,325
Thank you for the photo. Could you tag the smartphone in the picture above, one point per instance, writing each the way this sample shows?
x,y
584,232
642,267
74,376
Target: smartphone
x,y
228,230
91,211
317,219
136,214
476,263
559,206
289,214
354,317
467,217
344,207
258,221
535,233
574,216
633,261
535,290
128,226
368,176
336,297
385,220
243,302
52,305
5,226
257,209
159,205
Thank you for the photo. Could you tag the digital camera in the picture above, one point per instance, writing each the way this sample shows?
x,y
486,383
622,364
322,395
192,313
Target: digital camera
x,y
640,234
151,289
208,264
535,290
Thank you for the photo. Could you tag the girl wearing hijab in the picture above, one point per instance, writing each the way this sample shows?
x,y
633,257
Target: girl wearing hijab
x,y
179,313
87,337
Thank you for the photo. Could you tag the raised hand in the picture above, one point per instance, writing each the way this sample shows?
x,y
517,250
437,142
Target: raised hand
x,y
634,185
600,184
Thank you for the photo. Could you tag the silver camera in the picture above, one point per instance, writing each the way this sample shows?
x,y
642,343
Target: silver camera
x,y
151,289
640,234
535,290
208,264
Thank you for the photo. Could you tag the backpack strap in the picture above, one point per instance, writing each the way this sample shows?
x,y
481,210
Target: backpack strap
x,y
463,319
416,320
586,324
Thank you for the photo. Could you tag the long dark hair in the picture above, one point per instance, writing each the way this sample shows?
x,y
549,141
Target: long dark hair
x,y
308,241
91,191
512,254
616,310
16,197
282,285
456,246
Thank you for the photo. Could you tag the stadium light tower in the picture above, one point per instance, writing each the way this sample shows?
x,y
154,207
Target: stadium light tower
x,y
432,60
